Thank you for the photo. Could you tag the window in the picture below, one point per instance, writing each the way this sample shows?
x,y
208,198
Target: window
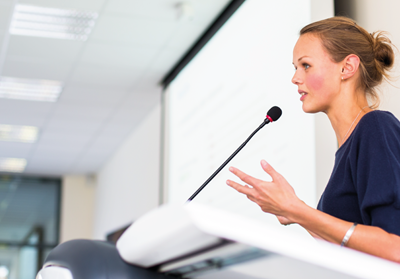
x,y
29,224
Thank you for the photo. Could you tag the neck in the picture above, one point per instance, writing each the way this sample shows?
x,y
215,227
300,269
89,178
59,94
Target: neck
x,y
345,116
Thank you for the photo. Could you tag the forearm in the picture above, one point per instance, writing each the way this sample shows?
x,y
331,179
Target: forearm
x,y
278,197
376,241
368,239
314,235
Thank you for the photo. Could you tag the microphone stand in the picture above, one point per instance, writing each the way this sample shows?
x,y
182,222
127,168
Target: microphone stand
x,y
266,121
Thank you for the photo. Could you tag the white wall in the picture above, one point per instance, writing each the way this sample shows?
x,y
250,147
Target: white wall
x,y
77,207
321,9
383,15
325,139
128,185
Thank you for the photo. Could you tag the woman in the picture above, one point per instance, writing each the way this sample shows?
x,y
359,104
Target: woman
x,y
338,64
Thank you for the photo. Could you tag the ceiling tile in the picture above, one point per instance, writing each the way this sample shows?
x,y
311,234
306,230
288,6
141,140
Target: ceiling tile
x,y
125,56
87,5
81,112
22,119
206,11
55,153
166,60
133,111
24,68
114,133
93,161
111,81
14,108
133,31
96,156
103,145
93,158
137,97
120,78
5,14
185,36
150,9
56,149
72,126
2,37
64,139
124,117
43,49
150,81
15,149
86,167
48,168
92,94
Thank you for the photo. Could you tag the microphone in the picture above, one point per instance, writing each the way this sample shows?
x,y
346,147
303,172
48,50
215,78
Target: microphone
x,y
272,115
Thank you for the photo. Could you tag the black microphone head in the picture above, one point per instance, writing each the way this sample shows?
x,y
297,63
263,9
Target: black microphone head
x,y
274,113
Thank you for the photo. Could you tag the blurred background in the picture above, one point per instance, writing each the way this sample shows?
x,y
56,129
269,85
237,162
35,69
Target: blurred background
x,y
81,111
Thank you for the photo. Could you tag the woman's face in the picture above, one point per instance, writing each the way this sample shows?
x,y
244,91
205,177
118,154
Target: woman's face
x,y
318,78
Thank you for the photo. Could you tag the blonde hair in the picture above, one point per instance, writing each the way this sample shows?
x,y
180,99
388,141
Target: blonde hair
x,y
341,36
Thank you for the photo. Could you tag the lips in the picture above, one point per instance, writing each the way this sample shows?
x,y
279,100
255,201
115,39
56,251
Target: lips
x,y
303,94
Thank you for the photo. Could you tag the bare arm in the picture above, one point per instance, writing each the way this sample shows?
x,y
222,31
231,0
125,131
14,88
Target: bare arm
x,y
368,239
278,197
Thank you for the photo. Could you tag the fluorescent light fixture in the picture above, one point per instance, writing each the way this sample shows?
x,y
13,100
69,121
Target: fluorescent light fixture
x,y
52,23
12,164
30,89
3,272
26,134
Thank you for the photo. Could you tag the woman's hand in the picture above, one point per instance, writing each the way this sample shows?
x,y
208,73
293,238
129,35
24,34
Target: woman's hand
x,y
283,220
276,197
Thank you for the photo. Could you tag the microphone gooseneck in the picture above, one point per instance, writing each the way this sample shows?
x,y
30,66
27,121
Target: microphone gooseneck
x,y
273,114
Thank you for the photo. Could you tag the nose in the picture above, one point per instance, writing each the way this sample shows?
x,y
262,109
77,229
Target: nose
x,y
296,78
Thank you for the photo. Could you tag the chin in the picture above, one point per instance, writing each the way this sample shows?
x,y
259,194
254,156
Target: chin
x,y
307,108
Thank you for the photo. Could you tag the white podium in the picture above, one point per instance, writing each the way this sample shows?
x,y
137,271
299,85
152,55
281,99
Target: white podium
x,y
196,241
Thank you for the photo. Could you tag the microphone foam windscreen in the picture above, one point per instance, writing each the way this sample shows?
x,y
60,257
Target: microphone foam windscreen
x,y
274,113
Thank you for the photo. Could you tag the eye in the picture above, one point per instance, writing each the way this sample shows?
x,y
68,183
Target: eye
x,y
306,66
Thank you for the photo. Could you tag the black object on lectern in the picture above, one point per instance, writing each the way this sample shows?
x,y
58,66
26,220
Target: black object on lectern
x,y
91,259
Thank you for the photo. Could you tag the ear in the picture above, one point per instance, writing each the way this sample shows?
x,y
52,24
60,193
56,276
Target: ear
x,y
350,66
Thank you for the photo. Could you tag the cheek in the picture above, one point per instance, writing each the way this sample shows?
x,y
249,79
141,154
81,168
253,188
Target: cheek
x,y
315,82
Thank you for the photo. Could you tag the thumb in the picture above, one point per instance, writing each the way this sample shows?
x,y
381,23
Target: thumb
x,y
270,170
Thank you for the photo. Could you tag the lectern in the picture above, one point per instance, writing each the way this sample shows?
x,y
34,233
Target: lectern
x,y
197,241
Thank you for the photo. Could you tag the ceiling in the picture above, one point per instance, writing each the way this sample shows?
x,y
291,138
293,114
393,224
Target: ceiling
x,y
110,81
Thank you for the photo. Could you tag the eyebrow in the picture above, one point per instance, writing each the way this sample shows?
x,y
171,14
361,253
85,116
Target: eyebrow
x,y
302,58
298,60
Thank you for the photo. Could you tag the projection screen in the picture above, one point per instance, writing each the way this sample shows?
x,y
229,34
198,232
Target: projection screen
x,y
223,94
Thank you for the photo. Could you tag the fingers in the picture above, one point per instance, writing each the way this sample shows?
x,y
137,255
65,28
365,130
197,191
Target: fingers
x,y
241,189
270,170
245,177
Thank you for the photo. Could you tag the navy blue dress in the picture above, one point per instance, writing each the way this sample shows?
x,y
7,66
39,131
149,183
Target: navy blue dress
x,y
365,183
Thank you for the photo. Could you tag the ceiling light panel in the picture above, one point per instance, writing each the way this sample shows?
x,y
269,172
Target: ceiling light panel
x,y
26,134
12,164
30,89
52,23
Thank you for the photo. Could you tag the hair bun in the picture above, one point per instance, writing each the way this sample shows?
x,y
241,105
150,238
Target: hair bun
x,y
383,51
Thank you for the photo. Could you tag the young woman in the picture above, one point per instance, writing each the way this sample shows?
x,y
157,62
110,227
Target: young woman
x,y
338,64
